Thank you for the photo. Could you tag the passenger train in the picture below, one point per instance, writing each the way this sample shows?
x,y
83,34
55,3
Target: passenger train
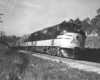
x,y
65,39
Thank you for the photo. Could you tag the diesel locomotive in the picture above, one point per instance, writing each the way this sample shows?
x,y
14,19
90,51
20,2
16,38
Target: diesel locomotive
x,y
65,40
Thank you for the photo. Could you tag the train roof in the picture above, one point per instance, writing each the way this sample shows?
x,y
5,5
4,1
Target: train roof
x,y
62,24
68,24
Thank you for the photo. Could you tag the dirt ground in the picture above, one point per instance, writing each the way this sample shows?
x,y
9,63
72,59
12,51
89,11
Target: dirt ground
x,y
20,66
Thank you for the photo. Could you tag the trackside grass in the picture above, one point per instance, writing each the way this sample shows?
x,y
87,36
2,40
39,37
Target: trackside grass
x,y
20,66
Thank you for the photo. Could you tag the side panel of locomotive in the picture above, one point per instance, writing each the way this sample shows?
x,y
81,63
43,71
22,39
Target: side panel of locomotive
x,y
68,37
68,40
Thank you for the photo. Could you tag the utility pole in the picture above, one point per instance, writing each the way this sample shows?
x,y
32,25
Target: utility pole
x,y
0,18
2,33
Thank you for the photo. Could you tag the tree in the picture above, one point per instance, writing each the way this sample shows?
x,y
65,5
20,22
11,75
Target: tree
x,y
86,24
78,22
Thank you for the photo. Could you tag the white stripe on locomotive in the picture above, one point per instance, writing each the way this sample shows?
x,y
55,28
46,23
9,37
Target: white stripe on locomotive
x,y
64,41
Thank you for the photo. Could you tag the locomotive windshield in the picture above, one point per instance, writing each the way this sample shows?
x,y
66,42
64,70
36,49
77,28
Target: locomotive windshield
x,y
68,27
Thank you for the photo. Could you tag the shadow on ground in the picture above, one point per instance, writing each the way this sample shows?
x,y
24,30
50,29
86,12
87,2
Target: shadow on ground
x,y
92,55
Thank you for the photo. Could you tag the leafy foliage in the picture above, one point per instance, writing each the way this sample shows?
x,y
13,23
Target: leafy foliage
x,y
88,25
9,39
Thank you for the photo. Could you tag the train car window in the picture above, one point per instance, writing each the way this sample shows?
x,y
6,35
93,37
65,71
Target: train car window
x,y
58,27
63,32
45,31
36,34
65,29
58,30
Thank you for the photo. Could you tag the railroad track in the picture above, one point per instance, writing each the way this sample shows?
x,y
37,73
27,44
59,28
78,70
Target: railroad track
x,y
79,64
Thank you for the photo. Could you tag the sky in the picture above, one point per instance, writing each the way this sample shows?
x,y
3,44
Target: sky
x,y
27,16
